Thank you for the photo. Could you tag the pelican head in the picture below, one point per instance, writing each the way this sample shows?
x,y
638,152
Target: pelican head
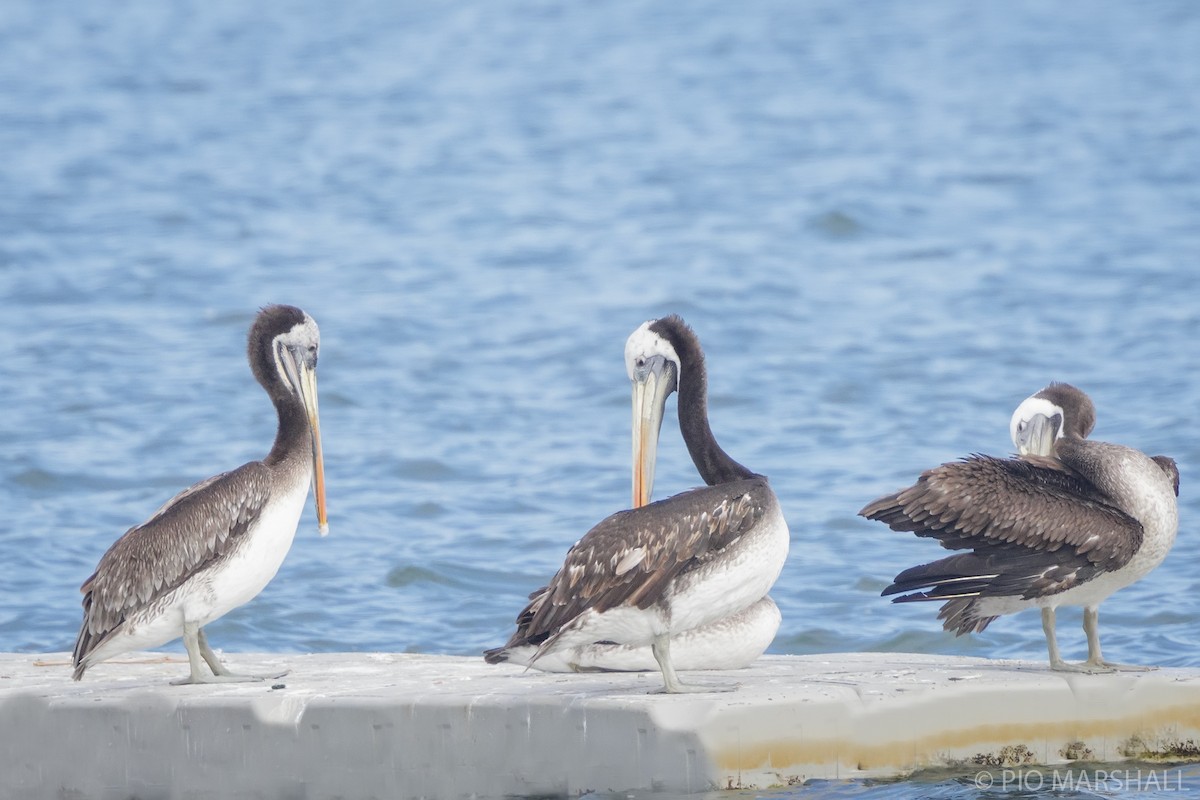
x,y
653,368
284,343
1041,420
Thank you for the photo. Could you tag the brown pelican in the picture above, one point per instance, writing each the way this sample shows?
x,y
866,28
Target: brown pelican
x,y
646,575
215,545
1067,522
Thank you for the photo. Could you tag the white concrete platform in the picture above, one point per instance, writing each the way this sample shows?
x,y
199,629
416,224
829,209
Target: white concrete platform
x,y
358,725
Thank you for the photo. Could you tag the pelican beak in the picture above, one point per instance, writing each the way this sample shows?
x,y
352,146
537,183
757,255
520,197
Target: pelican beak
x,y
653,382
301,368
308,393
1038,435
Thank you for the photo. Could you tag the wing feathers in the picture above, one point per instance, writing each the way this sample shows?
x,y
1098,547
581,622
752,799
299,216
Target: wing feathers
x,y
193,529
1033,527
983,502
632,557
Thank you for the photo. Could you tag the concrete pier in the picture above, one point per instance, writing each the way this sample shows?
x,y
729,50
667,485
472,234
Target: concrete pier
x,y
359,725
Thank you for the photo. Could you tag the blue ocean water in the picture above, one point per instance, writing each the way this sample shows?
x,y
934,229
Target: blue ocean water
x,y
888,222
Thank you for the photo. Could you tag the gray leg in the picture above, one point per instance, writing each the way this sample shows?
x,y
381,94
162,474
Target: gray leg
x,y
661,647
214,663
197,675
1056,662
1091,626
198,650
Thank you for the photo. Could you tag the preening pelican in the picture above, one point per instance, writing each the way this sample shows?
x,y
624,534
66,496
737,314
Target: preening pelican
x,y
1068,521
646,575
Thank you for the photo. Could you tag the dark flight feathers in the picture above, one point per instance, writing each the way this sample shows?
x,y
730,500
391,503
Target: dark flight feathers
x,y
985,503
1034,528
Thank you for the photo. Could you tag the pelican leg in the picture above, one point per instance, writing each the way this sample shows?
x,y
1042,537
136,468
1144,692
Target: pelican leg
x,y
661,647
198,651
210,657
1091,626
1056,661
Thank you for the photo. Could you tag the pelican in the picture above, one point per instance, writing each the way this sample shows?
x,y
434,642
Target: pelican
x,y
215,545
1067,522
664,571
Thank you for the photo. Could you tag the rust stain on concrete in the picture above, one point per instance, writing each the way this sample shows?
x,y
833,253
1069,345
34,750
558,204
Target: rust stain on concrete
x,y
1167,731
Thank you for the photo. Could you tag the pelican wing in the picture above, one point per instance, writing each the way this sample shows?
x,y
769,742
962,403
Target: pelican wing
x,y
192,530
631,557
991,504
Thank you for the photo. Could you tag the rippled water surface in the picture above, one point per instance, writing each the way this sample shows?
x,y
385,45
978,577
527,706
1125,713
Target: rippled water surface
x,y
889,223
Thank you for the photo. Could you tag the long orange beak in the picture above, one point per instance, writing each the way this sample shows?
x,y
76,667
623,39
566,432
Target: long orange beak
x,y
308,393
651,387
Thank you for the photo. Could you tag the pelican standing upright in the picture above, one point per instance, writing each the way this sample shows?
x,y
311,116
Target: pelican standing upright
x,y
215,545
